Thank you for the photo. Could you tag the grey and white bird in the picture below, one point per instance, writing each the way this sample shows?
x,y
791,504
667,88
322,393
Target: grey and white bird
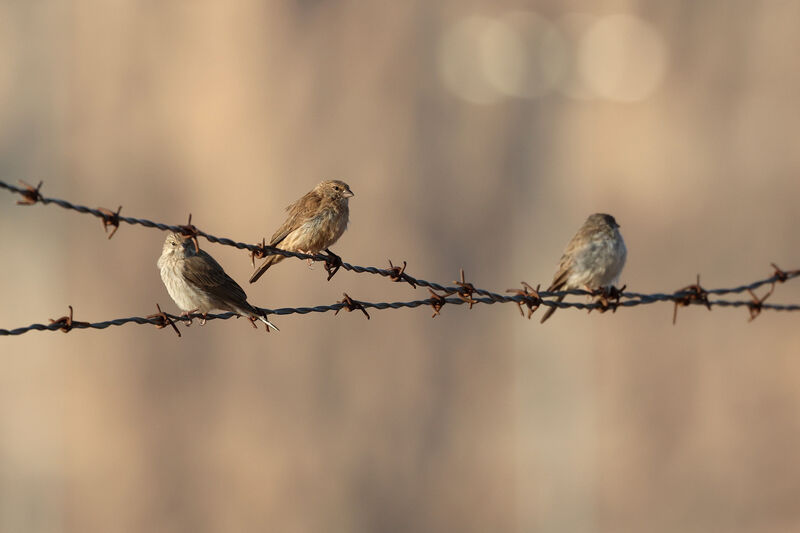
x,y
593,259
198,284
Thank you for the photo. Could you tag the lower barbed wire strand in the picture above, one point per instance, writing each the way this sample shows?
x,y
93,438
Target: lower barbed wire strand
x,y
379,306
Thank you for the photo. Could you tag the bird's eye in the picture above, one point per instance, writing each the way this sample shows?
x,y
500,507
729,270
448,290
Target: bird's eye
x,y
336,187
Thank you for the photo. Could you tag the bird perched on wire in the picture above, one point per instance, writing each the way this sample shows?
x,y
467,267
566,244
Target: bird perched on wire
x,y
593,259
315,222
198,284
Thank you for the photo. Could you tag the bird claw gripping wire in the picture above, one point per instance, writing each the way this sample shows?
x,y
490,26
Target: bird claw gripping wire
x,y
351,305
696,294
253,321
465,290
31,194
66,323
110,219
528,297
437,302
163,320
607,298
189,231
332,263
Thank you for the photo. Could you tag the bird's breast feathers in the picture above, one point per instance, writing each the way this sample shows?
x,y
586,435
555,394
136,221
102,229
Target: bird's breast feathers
x,y
319,232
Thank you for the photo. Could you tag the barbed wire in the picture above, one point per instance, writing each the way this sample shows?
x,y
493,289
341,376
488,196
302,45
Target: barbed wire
x,y
462,292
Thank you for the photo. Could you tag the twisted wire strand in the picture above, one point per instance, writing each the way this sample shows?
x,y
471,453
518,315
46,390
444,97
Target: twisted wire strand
x,y
367,305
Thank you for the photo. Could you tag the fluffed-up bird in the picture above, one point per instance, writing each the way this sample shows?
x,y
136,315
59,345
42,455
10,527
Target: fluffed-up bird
x,y
593,259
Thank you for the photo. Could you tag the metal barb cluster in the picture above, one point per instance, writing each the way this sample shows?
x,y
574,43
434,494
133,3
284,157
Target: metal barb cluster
x,y
351,305
461,293
529,297
692,294
66,323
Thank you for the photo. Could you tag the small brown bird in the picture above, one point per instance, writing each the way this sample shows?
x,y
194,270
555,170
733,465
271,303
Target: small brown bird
x,y
315,222
197,283
594,258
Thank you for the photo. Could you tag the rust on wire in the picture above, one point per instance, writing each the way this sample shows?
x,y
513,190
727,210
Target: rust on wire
x,y
398,274
755,307
696,294
259,253
163,320
351,305
66,322
783,275
608,298
437,302
465,290
31,194
110,218
780,274
189,231
530,298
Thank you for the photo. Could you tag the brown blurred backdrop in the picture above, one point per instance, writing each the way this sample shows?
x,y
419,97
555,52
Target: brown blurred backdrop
x,y
475,134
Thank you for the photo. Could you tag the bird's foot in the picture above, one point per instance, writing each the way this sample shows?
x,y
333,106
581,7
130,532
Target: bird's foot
x,y
607,297
187,315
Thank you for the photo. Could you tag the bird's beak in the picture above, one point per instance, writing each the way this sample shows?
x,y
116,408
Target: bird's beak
x,y
348,194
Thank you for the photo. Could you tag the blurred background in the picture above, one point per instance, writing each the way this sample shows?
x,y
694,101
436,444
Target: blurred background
x,y
475,135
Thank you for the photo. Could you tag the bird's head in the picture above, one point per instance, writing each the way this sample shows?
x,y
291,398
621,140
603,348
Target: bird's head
x,y
335,190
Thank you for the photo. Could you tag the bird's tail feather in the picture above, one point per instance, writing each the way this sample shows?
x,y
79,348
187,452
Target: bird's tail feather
x,y
268,262
550,310
255,312
267,322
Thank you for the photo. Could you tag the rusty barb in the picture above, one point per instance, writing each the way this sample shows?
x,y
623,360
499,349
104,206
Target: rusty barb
x,y
259,253
351,305
695,295
529,298
190,231
31,194
110,218
398,274
437,302
67,323
784,275
465,290
757,304
163,320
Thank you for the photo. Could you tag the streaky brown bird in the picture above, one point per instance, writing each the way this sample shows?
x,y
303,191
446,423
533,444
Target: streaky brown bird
x,y
197,283
315,222
594,258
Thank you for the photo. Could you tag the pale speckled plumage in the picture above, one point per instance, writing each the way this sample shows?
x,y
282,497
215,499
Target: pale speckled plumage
x,y
593,259
315,222
196,282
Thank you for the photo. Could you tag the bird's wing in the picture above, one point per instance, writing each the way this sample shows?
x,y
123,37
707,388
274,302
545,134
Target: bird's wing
x,y
567,262
203,271
299,212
